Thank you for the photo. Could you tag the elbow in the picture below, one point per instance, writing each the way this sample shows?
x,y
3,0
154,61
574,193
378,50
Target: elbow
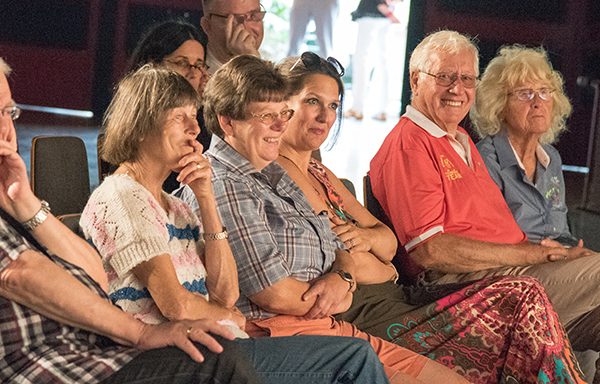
x,y
424,256
227,301
17,277
175,311
279,303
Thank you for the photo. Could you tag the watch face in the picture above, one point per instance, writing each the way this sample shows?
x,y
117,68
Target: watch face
x,y
346,275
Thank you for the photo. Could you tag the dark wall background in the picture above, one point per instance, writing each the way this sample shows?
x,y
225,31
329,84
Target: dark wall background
x,y
69,53
569,31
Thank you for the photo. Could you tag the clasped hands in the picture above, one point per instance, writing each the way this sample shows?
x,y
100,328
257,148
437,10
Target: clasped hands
x,y
555,251
331,294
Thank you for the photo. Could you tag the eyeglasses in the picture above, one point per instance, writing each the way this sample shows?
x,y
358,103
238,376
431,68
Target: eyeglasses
x,y
314,62
185,66
14,112
270,117
528,94
240,18
447,79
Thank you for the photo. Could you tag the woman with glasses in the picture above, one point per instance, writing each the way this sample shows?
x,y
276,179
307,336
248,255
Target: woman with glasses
x,y
165,263
456,325
284,252
520,110
180,46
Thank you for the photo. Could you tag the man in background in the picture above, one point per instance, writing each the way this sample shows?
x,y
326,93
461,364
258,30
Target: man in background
x,y
233,27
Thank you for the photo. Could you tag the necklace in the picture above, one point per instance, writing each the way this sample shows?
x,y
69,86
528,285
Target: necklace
x,y
334,209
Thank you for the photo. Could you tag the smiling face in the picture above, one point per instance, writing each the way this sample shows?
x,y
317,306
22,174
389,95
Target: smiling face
x,y
174,139
7,127
444,105
528,118
257,141
315,113
190,52
214,26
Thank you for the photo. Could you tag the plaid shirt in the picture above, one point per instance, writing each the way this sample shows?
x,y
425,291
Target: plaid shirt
x,y
273,231
35,349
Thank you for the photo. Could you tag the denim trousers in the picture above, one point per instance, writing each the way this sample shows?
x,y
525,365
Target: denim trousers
x,y
293,360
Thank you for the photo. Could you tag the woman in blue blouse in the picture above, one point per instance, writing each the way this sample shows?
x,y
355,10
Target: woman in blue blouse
x,y
520,109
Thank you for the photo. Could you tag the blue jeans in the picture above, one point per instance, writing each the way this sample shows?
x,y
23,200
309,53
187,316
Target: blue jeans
x,y
289,360
314,359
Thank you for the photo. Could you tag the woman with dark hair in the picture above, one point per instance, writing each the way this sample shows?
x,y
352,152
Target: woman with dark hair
x,y
509,323
181,47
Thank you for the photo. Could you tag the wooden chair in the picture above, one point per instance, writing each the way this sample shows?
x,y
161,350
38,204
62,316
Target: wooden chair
x,y
59,173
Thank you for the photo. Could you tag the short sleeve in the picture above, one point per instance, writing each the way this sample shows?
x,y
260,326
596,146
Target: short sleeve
x,y
259,259
125,223
414,195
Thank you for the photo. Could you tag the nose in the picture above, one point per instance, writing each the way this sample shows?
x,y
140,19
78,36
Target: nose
x,y
6,126
193,128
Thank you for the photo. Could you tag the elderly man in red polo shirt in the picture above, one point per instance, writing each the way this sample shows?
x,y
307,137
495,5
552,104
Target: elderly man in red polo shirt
x,y
447,211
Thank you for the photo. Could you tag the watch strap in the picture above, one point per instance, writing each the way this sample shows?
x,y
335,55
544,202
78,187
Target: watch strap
x,y
39,217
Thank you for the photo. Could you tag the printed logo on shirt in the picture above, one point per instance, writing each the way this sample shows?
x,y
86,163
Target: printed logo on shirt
x,y
449,170
553,192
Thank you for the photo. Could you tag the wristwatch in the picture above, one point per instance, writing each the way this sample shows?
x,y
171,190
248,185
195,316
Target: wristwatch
x,y
346,276
39,217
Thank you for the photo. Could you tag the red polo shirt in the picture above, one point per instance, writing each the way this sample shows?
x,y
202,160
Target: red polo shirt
x,y
425,187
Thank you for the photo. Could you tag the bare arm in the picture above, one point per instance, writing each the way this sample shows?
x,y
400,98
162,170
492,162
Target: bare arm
x,y
17,198
45,293
288,297
455,254
222,277
370,234
173,300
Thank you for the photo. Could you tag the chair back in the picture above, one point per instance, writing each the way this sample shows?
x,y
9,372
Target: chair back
x,y
104,167
376,210
71,221
59,172
349,185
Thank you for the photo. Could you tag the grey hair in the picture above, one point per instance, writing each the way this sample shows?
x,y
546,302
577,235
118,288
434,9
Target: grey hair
x,y
442,41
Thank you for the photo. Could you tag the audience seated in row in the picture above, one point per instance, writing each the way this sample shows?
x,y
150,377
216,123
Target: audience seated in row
x,y
164,262
295,273
58,323
447,210
349,275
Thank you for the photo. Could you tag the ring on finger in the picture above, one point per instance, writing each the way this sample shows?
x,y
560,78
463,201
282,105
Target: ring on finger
x,y
198,166
188,331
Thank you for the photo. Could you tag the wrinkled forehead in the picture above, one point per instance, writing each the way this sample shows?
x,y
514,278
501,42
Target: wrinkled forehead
x,y
461,61
233,6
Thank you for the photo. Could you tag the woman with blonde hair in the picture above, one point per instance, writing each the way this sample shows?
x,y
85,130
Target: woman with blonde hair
x,y
519,111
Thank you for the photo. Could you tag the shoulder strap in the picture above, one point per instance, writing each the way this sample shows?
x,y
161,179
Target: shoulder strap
x,y
22,231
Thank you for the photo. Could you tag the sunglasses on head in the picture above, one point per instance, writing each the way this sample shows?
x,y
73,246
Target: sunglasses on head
x,y
314,62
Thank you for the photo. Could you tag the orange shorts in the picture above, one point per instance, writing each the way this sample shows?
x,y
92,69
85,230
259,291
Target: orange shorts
x,y
394,358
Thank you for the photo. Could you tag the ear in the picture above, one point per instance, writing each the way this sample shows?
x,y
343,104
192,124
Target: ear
x,y
204,24
414,82
226,124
